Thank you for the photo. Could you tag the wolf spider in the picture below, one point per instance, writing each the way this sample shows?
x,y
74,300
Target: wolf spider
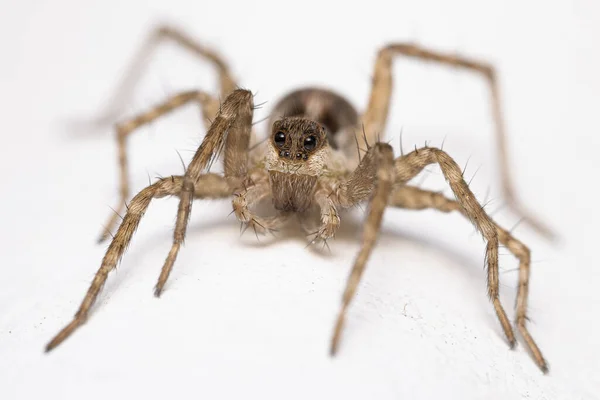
x,y
311,162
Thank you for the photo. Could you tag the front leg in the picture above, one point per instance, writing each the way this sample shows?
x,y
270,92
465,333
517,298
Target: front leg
x,y
252,193
209,186
373,178
231,130
329,216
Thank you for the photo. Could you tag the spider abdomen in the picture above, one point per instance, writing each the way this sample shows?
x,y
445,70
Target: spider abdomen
x,y
330,109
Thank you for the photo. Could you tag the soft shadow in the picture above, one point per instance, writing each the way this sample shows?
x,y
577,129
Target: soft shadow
x,y
350,232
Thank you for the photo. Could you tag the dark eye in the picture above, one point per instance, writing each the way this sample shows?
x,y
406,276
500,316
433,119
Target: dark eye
x,y
279,139
310,143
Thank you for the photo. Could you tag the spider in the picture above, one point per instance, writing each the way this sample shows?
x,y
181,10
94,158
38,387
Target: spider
x,y
309,165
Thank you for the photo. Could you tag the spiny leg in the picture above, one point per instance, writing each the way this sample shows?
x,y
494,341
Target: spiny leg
x,y
231,130
157,35
408,166
208,186
252,193
209,106
379,160
329,216
375,116
418,199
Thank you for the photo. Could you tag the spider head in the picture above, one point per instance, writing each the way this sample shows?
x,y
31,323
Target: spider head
x,y
296,139
297,144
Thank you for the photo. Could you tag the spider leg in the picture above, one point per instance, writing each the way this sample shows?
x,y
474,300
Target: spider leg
x,y
207,186
117,103
230,131
330,218
408,166
418,199
159,34
379,163
375,116
244,199
209,106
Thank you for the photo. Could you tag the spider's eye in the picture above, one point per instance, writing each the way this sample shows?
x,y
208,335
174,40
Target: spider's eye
x,y
279,139
310,143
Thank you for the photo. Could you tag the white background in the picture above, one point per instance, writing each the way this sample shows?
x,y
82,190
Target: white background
x,y
247,319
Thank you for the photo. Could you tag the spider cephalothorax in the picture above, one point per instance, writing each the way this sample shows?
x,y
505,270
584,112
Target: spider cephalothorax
x,y
310,160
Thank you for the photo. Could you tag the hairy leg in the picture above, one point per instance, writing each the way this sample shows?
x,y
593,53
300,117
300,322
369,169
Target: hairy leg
x,y
230,130
255,191
209,106
408,166
208,186
329,216
379,164
159,34
375,116
418,199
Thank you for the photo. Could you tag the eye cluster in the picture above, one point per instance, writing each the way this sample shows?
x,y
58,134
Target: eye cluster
x,y
309,143
295,145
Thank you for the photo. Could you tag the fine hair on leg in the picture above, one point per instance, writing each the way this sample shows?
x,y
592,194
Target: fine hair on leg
x,y
209,106
210,186
230,131
379,164
413,198
408,166
158,35
375,116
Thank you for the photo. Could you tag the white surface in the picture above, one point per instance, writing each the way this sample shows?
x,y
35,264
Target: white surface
x,y
246,320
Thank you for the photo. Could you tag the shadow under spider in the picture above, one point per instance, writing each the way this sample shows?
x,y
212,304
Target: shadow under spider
x,y
349,232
